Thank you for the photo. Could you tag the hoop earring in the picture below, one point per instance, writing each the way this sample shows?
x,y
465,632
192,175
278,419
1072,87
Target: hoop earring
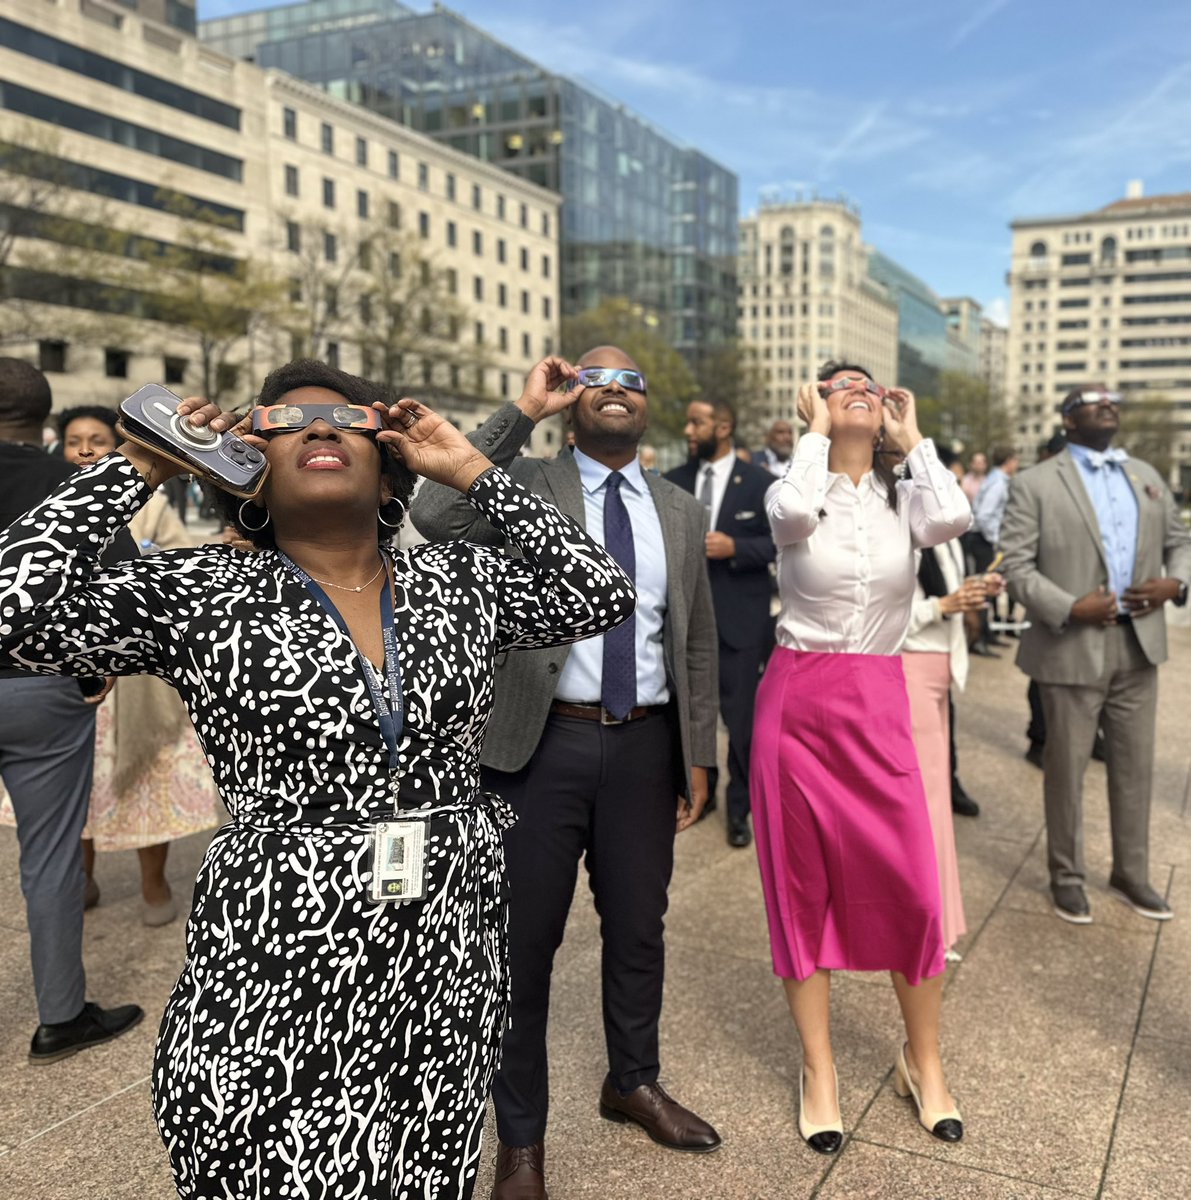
x,y
380,515
253,528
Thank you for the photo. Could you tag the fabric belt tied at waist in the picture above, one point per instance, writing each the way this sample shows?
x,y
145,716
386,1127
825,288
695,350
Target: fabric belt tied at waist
x,y
597,712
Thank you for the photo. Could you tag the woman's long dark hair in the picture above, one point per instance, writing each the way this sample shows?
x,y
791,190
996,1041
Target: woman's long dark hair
x,y
930,574
882,469
307,372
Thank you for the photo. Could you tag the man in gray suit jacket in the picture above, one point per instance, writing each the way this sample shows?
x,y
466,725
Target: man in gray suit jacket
x,y
1086,536
591,744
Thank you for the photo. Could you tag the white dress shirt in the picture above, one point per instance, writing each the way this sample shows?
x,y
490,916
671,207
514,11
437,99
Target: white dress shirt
x,y
930,631
721,472
845,560
582,677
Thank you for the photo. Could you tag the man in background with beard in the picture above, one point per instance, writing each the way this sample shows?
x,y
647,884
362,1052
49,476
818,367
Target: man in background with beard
x,y
739,549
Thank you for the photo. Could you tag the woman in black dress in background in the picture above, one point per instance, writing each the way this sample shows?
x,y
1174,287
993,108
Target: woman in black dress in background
x,y
318,1044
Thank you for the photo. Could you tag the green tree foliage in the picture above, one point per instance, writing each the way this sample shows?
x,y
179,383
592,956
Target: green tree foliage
x,y
618,322
1149,430
730,372
217,301
964,411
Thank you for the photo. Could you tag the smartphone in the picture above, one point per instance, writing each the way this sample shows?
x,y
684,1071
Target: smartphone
x,y
150,418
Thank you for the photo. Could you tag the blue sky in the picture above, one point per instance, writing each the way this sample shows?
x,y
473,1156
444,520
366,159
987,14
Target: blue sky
x,y
942,120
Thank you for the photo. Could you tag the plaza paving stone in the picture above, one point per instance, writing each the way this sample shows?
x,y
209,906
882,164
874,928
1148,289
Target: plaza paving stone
x,y
1069,1048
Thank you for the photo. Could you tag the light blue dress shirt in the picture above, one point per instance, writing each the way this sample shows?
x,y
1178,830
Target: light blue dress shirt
x,y
1115,505
583,673
988,509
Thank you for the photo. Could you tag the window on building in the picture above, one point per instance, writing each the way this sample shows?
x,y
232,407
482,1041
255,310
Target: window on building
x,y
364,255
524,259
450,186
366,309
452,234
525,216
424,224
502,338
502,295
504,385
477,197
293,237
362,205
361,152
545,224
479,331
115,363
501,250
452,279
477,242
423,177
394,164
295,291
545,266
500,208
327,139
173,369
291,181
289,124
394,215
477,288
328,192
330,247
331,303
525,346
525,302
332,356
51,356
547,306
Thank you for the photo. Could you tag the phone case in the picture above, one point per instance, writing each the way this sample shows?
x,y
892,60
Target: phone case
x,y
150,418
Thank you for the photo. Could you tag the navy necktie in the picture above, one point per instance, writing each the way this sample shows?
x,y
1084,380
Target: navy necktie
x,y
618,689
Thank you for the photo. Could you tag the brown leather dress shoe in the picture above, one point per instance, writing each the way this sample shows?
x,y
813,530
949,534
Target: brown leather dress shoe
x,y
520,1173
661,1116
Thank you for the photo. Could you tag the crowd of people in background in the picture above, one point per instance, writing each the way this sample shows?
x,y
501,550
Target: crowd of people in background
x,y
819,597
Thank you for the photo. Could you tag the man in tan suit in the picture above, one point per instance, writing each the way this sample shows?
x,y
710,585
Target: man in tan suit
x,y
1086,536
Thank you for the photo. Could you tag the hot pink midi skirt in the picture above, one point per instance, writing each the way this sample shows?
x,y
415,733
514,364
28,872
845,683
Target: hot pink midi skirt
x,y
842,830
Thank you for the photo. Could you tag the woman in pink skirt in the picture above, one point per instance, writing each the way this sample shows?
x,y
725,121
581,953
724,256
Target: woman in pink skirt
x,y
843,834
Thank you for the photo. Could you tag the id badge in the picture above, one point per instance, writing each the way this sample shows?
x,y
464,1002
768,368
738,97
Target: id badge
x,y
398,854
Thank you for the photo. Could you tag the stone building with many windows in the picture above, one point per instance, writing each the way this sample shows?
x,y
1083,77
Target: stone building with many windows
x,y
114,124
1104,297
806,296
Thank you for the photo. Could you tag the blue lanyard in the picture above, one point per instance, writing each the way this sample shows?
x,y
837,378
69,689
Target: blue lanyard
x,y
388,703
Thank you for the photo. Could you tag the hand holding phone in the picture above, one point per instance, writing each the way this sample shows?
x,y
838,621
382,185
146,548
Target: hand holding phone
x,y
150,418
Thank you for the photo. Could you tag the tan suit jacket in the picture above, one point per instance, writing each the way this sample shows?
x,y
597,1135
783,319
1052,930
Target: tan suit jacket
x,y
1054,554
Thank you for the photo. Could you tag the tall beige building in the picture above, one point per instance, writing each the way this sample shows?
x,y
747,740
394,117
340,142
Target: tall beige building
x,y
994,352
806,297
131,115
1104,297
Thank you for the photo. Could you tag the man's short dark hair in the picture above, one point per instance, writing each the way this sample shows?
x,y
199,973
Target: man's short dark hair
x,y
307,372
86,412
1002,454
723,410
25,397
946,456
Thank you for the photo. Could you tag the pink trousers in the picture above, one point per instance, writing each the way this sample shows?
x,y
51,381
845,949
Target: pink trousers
x,y
928,681
843,836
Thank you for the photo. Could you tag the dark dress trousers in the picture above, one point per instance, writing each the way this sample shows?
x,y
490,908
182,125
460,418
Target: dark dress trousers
x,y
606,794
741,589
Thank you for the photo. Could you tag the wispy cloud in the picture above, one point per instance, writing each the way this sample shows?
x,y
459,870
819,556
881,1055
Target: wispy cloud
x,y
980,17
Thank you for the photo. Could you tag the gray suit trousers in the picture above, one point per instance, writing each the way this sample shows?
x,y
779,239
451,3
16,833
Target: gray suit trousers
x,y
47,753
1124,702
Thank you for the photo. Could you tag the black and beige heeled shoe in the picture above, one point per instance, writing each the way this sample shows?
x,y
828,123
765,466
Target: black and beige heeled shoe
x,y
946,1126
823,1139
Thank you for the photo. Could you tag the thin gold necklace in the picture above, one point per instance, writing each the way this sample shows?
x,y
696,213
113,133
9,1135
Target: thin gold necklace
x,y
342,588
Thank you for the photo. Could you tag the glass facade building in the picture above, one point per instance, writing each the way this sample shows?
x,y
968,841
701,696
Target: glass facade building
x,y
643,217
923,346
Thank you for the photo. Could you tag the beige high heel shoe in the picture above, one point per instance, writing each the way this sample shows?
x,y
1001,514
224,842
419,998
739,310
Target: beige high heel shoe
x,y
823,1139
946,1126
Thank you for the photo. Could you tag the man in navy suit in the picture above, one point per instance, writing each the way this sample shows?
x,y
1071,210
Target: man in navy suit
x,y
739,552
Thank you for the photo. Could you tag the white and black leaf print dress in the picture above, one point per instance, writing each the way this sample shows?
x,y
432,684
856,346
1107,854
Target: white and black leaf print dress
x,y
318,1045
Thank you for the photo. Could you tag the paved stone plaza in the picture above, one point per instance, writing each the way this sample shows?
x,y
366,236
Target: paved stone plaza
x,y
1068,1048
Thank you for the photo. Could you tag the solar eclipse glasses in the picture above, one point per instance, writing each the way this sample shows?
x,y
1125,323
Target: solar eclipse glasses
x,y
850,383
595,377
292,418
1091,396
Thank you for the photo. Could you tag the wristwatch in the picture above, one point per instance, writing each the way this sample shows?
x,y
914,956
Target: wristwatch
x,y
1180,600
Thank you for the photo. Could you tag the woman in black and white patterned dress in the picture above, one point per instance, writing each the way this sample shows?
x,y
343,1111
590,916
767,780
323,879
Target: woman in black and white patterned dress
x,y
318,1044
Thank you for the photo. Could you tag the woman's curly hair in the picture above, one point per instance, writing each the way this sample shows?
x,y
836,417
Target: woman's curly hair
x,y
305,372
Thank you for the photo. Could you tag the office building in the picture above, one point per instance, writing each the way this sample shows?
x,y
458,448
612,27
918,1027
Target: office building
x,y
1103,296
162,135
806,296
643,217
